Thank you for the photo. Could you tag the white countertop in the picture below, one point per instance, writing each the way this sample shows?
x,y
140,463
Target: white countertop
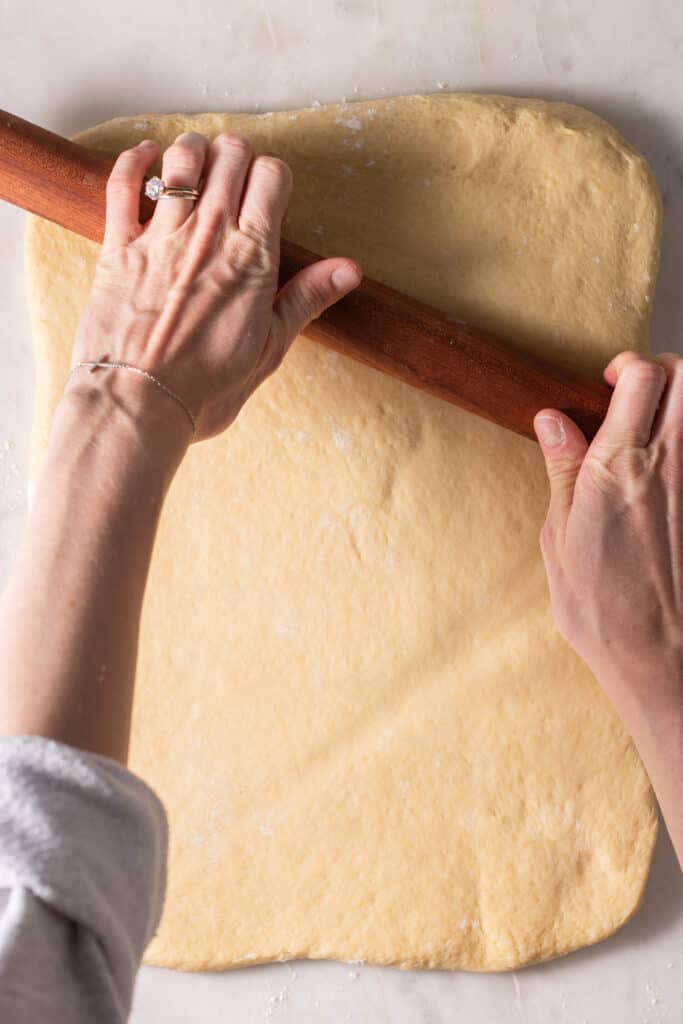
x,y
70,65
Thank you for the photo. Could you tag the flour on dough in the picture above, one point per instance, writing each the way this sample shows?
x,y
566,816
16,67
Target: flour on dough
x,y
370,739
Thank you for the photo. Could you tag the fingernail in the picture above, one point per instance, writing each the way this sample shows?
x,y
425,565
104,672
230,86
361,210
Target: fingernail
x,y
550,431
146,144
344,277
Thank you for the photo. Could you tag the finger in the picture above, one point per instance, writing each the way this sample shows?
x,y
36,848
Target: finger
x,y
564,448
266,195
182,166
669,416
611,371
226,172
638,387
305,297
124,187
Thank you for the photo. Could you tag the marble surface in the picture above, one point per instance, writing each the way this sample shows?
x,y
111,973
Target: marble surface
x,y
70,65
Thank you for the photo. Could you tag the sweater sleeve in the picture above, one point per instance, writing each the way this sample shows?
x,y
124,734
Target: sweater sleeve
x,y
83,847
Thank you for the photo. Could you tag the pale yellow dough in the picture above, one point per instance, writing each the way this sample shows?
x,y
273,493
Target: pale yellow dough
x,y
370,739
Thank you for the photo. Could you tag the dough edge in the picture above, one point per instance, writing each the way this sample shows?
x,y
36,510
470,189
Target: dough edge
x,y
585,119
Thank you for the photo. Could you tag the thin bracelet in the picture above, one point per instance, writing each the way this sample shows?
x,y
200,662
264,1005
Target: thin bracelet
x,y
142,373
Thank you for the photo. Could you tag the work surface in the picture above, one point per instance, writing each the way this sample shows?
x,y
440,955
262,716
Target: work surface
x,y
623,63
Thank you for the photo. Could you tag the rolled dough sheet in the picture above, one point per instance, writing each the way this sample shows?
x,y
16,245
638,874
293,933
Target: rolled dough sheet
x,y
370,739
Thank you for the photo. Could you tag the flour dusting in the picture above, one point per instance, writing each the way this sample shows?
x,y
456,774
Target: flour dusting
x,y
353,123
341,439
518,995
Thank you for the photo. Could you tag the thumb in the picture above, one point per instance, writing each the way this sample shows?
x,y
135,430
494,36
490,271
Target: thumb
x,y
310,292
564,448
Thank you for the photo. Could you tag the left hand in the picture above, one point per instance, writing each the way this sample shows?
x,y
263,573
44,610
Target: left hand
x,y
192,297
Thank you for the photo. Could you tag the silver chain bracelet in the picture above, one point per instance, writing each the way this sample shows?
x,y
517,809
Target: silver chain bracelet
x,y
104,365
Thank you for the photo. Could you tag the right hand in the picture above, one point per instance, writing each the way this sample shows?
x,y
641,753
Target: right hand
x,y
192,296
613,538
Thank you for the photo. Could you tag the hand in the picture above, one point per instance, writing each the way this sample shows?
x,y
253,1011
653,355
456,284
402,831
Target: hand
x,y
613,538
192,296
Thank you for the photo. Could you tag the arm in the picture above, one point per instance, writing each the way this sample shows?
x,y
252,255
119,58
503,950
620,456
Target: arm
x,y
657,731
613,549
191,297
70,614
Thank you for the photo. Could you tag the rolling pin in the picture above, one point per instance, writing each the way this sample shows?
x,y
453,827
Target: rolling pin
x,y
463,364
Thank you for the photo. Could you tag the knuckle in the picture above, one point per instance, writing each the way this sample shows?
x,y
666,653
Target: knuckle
x,y
311,298
627,355
237,144
601,474
247,255
184,157
622,360
119,185
644,373
611,466
564,470
564,466
257,228
124,170
191,137
128,156
276,169
131,260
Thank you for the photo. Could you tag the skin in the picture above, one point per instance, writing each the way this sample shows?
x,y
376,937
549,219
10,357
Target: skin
x,y
612,544
192,297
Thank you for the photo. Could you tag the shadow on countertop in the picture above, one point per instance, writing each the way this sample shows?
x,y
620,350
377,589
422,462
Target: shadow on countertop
x,y
661,911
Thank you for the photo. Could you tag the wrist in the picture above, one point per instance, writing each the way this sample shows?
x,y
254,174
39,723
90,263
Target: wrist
x,y
125,411
652,712
649,703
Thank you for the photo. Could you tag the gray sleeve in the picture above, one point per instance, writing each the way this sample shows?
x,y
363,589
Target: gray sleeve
x,y
83,846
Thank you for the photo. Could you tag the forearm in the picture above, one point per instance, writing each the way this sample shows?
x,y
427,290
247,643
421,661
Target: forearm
x,y
70,614
653,714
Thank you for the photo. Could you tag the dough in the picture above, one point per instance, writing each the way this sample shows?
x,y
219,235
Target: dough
x,y
370,739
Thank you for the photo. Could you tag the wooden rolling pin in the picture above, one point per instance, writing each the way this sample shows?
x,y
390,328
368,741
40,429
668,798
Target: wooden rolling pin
x,y
65,182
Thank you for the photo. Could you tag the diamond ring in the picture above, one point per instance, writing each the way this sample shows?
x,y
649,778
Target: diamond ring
x,y
156,189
